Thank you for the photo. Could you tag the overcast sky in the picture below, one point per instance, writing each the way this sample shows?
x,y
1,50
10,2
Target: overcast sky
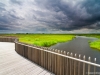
x,y
55,16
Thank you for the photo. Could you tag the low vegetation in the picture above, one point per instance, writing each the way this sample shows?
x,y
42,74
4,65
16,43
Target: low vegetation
x,y
48,40
95,44
45,40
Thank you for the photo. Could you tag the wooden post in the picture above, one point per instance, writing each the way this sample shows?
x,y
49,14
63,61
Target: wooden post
x,y
26,51
53,61
22,50
79,65
89,59
94,67
61,63
36,55
29,53
71,64
46,59
33,54
65,64
84,66
75,65
18,48
56,62
42,58
50,64
68,64
39,57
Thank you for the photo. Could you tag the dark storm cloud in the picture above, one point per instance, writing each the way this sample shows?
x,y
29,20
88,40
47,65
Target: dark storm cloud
x,y
75,15
57,16
68,19
93,8
4,27
2,18
66,15
7,19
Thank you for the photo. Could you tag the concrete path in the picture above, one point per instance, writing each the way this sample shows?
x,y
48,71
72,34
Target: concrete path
x,y
12,63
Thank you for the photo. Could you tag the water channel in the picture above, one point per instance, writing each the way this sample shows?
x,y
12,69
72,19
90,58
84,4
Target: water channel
x,y
80,45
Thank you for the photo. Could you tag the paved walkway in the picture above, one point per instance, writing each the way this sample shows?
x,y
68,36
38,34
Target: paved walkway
x,y
12,63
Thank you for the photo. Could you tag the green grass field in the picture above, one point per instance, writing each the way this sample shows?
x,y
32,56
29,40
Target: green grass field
x,y
45,40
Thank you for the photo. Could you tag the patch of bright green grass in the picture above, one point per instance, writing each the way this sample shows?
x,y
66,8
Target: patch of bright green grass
x,y
45,40
95,44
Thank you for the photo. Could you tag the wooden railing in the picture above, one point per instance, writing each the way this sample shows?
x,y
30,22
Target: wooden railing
x,y
7,39
57,61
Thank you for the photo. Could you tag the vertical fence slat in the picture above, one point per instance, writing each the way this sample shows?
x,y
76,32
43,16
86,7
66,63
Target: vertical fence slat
x,y
53,62
71,64
62,63
33,54
84,66
46,60
29,53
68,65
89,59
61,60
79,65
94,67
42,57
56,63
75,66
50,61
65,64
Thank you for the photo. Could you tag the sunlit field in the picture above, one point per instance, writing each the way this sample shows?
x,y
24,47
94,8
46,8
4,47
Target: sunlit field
x,y
45,40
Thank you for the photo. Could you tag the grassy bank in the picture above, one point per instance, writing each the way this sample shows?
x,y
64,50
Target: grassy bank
x,y
44,40
95,44
47,40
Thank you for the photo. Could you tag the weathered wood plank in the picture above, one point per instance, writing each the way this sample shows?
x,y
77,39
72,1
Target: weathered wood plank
x,y
11,63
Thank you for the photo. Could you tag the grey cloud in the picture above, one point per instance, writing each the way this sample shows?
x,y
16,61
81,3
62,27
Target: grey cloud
x,y
16,2
65,15
74,19
1,4
2,7
7,20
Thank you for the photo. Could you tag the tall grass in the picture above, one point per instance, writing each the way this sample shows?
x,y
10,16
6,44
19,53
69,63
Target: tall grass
x,y
95,44
45,40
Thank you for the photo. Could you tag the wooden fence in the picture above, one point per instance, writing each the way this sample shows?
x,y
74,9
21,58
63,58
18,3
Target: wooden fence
x,y
57,61
8,39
